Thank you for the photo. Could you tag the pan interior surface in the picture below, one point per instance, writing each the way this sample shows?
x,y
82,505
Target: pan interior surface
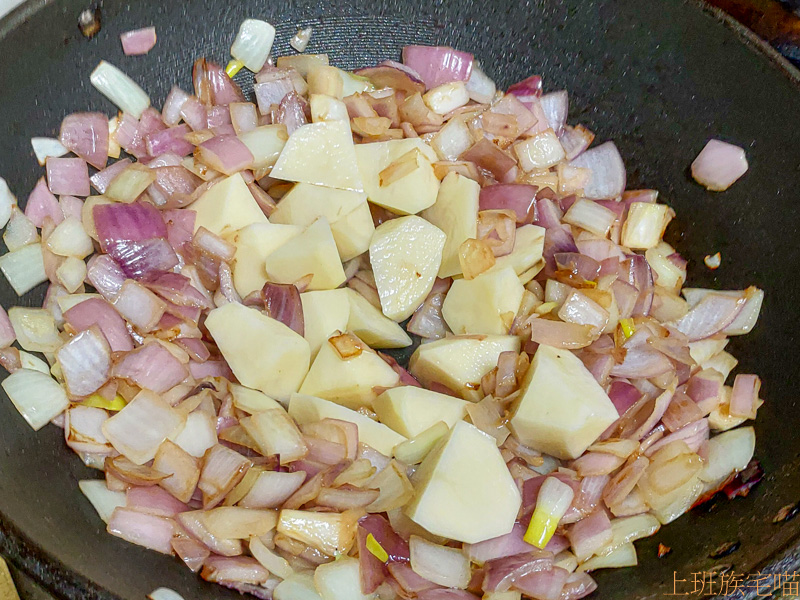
x,y
659,79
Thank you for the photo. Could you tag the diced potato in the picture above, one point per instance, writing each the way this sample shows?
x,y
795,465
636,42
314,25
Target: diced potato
x,y
562,409
308,409
299,586
320,153
263,353
527,252
455,213
410,410
253,244
370,324
464,490
405,254
406,195
331,533
349,381
460,362
486,304
227,207
313,252
305,203
325,312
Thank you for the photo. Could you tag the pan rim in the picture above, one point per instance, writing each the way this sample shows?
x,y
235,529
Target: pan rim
x,y
62,582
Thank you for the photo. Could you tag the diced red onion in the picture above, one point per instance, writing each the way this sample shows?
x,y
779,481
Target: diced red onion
x,y
143,529
719,165
180,226
85,362
744,396
530,86
544,585
488,156
693,435
225,153
390,75
191,552
96,311
244,117
558,334
503,546
282,303
143,259
172,139
154,500
555,106
710,316
623,395
218,116
138,41
102,179
291,112
222,470
239,569
501,574
438,65
68,176
575,140
171,111
212,85
577,586
42,203
517,197
589,535
194,113
138,221
608,171
86,134
151,367
83,430
272,89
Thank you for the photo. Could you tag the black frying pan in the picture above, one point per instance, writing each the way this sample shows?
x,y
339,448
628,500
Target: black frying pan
x,y
659,77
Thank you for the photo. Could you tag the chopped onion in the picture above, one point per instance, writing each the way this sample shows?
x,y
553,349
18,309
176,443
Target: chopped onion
x,y
555,106
608,171
151,367
301,39
139,528
225,153
590,216
35,329
139,429
719,165
37,397
68,176
86,134
253,43
437,65
163,593
444,566
44,148
102,499
120,89
85,362
624,556
24,268
138,41
645,225
480,87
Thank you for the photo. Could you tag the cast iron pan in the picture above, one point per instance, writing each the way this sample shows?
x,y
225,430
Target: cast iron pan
x,y
658,77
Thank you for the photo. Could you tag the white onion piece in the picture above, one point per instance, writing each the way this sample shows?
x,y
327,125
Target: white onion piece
x,y
24,268
139,429
728,453
33,362
747,317
480,87
163,593
447,97
35,329
582,310
624,556
645,225
590,216
452,140
719,165
7,202
85,362
71,273
83,430
103,500
70,239
539,152
198,435
253,43
301,39
444,566
608,171
171,111
277,565
37,396
20,231
141,307
44,148
552,503
120,89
